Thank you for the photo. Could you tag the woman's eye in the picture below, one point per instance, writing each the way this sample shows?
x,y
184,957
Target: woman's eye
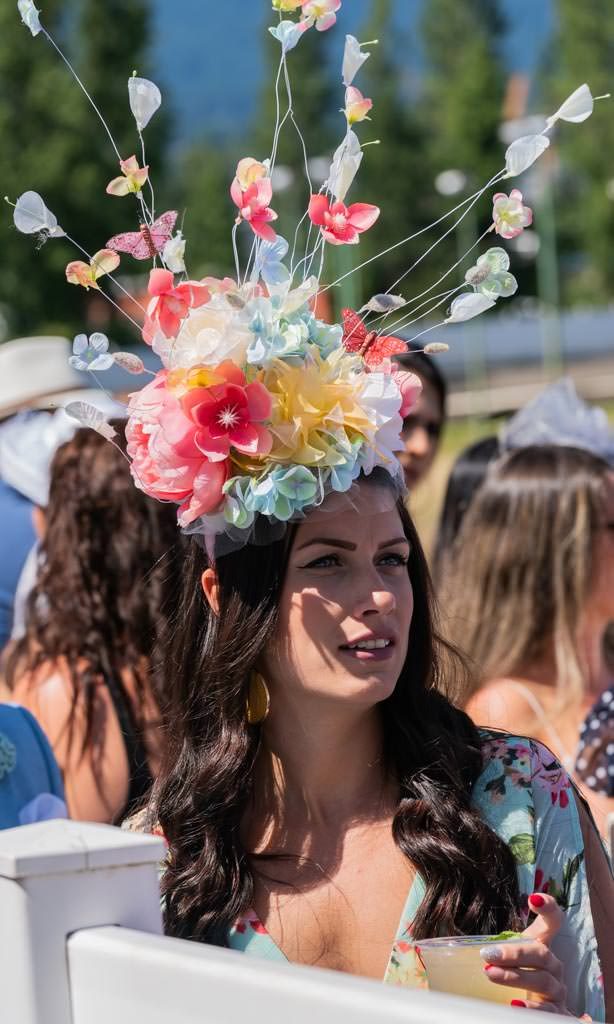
x,y
394,560
324,562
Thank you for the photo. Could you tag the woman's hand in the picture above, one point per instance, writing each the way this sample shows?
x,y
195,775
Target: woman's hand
x,y
532,966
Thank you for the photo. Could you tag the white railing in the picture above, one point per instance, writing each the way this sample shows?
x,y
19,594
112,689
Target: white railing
x,y
81,943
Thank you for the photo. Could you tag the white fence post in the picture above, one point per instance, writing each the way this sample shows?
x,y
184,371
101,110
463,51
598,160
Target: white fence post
x,y
57,877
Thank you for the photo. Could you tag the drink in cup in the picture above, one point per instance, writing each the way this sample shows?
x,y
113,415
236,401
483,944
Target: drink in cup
x,y
453,964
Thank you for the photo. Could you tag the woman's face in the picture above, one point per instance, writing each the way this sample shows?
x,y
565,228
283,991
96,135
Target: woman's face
x,y
346,606
420,435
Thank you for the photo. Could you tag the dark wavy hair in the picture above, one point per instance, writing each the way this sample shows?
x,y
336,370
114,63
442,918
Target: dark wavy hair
x,y
107,577
206,783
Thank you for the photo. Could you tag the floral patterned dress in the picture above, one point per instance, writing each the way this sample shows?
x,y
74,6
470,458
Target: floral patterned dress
x,y
524,795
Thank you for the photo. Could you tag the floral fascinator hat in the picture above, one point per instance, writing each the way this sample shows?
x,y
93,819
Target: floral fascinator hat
x,y
259,409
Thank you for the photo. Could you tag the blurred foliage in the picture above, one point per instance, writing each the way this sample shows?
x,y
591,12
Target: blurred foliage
x,y
584,196
53,143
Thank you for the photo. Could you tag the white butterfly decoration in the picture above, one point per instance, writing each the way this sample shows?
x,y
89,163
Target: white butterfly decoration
x,y
32,217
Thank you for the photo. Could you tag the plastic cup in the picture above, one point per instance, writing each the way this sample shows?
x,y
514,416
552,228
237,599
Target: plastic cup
x,y
453,964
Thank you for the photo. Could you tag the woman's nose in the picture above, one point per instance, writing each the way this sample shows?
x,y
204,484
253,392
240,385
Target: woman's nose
x,y
377,600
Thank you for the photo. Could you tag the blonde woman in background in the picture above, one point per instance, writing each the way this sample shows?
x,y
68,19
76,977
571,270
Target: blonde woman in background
x,y
528,593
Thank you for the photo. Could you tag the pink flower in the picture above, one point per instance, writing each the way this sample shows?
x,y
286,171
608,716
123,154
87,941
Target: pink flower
x,y
357,106
321,13
132,178
86,274
166,463
341,225
228,413
410,386
169,304
510,217
251,192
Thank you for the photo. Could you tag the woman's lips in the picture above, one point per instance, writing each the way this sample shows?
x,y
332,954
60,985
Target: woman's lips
x,y
369,654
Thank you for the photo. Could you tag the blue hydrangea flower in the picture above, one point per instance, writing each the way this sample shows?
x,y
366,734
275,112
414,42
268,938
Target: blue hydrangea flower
x,y
284,491
328,337
236,510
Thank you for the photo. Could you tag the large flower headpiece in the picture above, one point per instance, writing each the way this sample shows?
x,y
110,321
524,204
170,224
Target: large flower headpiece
x,y
260,409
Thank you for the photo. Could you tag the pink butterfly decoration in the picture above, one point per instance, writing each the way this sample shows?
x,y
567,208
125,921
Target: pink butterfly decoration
x,y
146,243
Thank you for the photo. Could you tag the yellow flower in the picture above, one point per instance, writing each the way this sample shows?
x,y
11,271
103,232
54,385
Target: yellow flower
x,y
287,5
312,404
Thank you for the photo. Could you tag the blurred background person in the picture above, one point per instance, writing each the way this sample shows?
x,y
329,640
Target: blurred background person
x,y
34,379
466,477
528,594
87,664
30,782
422,429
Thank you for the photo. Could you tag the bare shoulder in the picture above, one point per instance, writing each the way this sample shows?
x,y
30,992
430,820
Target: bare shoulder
x,y
57,703
500,705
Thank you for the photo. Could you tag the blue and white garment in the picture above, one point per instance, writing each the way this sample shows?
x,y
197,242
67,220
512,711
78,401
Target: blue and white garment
x,y
31,786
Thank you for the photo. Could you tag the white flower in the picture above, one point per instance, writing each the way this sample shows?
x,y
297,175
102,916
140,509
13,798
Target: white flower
x,y
288,33
353,59
576,107
92,353
208,336
31,216
145,99
490,275
174,252
344,168
466,306
29,16
524,152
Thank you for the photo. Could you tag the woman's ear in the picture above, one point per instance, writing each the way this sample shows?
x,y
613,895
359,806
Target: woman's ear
x,y
211,589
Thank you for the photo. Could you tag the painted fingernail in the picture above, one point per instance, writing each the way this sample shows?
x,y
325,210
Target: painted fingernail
x,y
490,967
518,1002
491,953
536,900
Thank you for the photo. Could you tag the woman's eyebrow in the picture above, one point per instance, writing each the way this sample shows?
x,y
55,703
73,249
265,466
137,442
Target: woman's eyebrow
x,y
393,543
347,545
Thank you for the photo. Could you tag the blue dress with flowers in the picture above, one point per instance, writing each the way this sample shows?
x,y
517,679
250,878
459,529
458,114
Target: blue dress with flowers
x,y
30,782
524,795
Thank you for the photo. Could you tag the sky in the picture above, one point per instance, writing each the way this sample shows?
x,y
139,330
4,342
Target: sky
x,y
210,59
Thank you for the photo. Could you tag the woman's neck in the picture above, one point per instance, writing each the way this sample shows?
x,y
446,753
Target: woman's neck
x,y
326,769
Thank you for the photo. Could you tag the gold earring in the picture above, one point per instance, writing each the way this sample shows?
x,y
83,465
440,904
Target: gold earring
x,y
258,702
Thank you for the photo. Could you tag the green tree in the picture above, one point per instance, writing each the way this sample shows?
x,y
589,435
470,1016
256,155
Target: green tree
x,y
54,144
585,209
464,84
201,192
394,173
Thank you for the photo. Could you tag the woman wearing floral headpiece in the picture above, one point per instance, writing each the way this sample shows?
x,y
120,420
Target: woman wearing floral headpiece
x,y
324,803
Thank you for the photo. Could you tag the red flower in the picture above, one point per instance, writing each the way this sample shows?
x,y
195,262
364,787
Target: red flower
x,y
340,224
170,304
228,412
